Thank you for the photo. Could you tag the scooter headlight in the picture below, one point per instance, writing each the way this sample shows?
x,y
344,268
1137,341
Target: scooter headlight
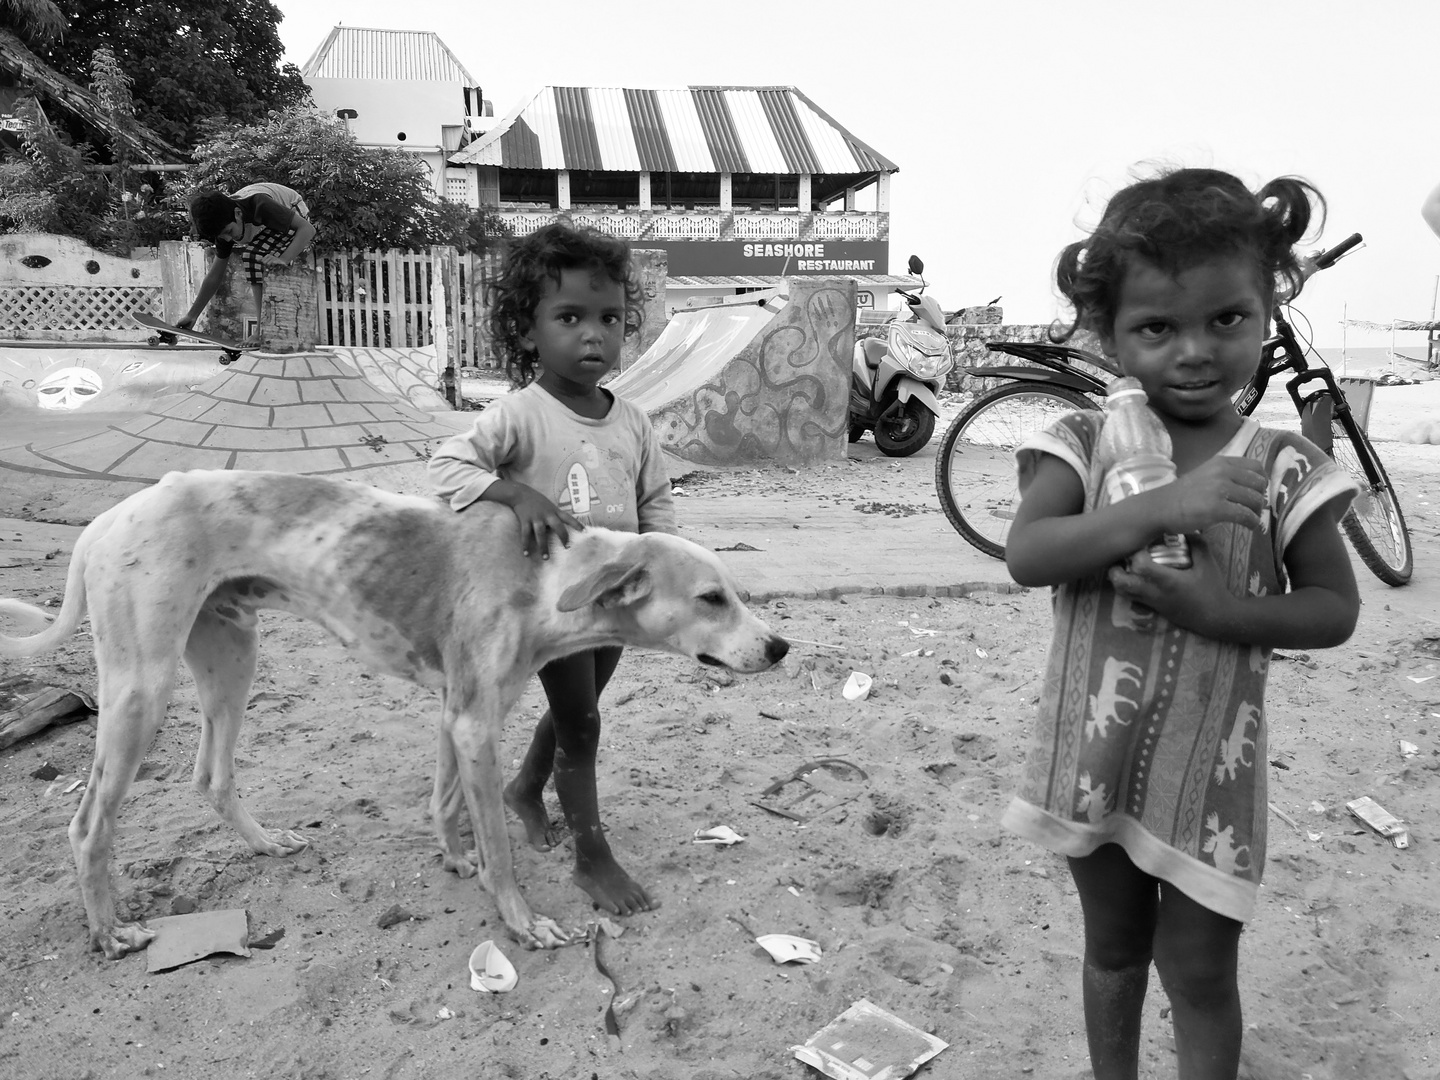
x,y
922,352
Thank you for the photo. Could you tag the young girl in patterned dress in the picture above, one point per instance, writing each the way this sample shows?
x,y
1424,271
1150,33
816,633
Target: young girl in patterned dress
x,y
1148,766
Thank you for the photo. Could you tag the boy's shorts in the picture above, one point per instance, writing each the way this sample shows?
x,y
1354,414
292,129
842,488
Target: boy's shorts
x,y
268,242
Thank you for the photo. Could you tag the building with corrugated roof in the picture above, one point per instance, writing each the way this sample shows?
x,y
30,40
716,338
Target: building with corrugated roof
x,y
399,88
740,185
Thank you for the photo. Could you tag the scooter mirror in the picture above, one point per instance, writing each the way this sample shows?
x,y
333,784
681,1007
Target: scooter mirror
x,y
916,266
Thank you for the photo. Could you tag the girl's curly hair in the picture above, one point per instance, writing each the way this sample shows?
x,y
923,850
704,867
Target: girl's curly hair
x,y
532,261
1178,219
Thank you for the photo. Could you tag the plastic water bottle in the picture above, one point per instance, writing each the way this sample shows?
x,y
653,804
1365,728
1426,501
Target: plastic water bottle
x,y
1135,449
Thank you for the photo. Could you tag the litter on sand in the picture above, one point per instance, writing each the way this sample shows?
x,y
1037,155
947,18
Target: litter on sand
x,y
722,835
815,788
867,1043
182,939
1381,820
783,948
490,970
857,687
787,948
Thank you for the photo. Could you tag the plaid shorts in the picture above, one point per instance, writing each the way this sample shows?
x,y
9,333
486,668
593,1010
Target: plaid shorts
x,y
269,242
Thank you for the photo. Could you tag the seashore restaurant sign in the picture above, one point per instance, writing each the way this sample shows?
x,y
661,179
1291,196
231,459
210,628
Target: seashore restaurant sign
x,y
773,258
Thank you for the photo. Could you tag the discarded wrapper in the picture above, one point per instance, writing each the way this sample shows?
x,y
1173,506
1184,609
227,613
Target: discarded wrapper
x,y
490,970
723,835
787,948
181,939
867,1043
1381,820
857,687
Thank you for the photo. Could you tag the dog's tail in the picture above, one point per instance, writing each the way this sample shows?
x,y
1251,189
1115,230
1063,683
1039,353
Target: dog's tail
x,y
65,623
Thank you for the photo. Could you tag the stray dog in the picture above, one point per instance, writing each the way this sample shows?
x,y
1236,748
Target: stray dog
x,y
415,590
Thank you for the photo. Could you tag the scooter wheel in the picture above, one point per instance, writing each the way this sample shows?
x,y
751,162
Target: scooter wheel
x,y
856,431
906,431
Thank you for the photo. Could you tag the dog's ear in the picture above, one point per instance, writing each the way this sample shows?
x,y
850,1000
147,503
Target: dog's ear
x,y
612,585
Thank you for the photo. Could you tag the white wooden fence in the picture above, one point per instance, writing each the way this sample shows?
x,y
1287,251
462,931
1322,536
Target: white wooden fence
x,y
392,299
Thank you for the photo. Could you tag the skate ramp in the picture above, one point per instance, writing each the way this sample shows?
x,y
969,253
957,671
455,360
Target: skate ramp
x,y
61,379
409,373
301,413
741,382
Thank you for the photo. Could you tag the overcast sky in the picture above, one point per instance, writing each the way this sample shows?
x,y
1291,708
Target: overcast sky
x,y
1013,120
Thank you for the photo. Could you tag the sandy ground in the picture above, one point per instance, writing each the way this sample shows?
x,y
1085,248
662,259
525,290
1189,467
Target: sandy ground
x,y
920,903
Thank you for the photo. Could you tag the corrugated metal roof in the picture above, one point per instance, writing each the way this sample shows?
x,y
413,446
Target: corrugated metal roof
x,y
353,52
703,129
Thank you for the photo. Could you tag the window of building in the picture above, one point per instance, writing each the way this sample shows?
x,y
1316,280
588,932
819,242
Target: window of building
x,y
684,191
528,187
764,191
590,187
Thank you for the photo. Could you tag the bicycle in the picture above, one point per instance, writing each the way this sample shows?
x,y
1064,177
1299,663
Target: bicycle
x,y
975,470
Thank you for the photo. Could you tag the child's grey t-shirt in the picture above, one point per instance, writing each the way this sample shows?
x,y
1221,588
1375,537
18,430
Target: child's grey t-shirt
x,y
608,472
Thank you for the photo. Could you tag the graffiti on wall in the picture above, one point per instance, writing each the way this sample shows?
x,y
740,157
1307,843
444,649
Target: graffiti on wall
x,y
784,397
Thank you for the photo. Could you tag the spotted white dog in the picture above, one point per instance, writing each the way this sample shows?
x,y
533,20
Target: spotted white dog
x,y
411,588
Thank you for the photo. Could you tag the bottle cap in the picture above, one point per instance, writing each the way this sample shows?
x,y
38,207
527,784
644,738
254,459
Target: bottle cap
x,y
1124,384
1122,389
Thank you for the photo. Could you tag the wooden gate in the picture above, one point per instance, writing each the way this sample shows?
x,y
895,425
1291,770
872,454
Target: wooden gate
x,y
397,299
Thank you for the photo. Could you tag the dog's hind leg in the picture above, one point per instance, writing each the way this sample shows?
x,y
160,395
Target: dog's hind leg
x,y
445,803
221,654
133,692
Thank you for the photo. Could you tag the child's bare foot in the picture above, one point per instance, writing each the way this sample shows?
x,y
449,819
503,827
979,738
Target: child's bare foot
x,y
613,889
540,832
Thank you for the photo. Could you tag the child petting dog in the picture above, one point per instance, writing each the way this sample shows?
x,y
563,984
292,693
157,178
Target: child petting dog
x,y
564,453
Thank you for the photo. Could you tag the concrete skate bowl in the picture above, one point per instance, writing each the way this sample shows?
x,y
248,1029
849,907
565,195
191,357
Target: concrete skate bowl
x,y
410,373
301,413
742,382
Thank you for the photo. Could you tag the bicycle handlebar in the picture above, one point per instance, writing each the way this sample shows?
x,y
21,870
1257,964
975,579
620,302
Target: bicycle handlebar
x,y
1327,259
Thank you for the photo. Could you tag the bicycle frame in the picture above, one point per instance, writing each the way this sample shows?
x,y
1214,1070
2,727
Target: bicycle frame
x,y
1283,352
1054,366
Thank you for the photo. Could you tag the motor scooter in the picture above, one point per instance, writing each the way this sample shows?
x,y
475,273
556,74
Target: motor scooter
x,y
895,380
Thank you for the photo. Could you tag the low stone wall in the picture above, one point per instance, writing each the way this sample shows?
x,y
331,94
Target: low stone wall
x,y
978,325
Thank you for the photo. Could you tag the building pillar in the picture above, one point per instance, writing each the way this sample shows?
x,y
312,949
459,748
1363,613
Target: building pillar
x,y
803,201
849,199
882,192
562,189
727,191
644,191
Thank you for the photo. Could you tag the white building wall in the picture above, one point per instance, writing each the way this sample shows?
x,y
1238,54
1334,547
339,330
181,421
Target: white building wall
x,y
387,109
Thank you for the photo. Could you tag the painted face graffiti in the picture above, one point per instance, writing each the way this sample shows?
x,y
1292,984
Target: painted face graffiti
x,y
68,388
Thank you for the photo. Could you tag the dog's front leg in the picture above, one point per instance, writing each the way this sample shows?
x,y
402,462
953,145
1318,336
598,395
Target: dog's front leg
x,y
472,723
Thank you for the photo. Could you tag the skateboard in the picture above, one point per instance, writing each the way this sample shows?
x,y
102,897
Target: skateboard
x,y
167,334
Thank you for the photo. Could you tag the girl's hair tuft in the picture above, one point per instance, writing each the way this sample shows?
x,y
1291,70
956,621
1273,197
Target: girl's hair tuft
x,y
1176,220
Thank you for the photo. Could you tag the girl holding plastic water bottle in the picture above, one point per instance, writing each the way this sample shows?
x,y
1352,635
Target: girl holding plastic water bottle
x,y
1148,765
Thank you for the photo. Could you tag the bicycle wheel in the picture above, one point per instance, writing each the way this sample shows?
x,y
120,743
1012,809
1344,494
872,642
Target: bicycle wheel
x,y
975,464
1374,522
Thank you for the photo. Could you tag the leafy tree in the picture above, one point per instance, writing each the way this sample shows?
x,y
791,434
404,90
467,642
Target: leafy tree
x,y
52,186
35,21
359,196
190,62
